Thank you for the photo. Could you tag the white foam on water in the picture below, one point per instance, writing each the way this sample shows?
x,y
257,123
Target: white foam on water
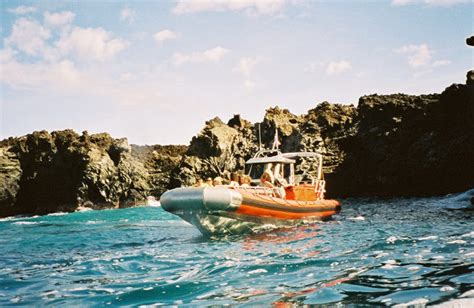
x,y
94,222
57,214
413,268
438,257
431,237
258,271
446,289
26,223
77,289
152,305
15,299
381,255
391,239
108,290
417,302
11,218
470,234
52,292
356,218
456,242
389,266
470,254
83,209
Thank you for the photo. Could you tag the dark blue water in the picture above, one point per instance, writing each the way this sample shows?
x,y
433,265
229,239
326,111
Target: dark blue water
x,y
375,252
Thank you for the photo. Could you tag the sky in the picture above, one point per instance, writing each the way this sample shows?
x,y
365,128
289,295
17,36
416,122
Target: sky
x,y
155,71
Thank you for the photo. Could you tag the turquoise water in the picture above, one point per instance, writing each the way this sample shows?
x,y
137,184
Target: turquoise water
x,y
375,252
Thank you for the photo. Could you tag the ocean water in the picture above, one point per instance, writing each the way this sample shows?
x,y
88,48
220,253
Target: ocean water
x,y
392,252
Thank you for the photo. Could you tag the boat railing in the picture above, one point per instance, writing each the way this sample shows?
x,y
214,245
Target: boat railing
x,y
320,189
260,190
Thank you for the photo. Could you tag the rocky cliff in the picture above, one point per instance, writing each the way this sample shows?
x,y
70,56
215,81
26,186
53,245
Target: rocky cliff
x,y
61,171
389,145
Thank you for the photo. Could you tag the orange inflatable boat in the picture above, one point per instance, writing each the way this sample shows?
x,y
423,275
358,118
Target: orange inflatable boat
x,y
275,196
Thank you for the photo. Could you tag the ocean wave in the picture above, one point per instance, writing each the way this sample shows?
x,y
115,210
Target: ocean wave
x,y
26,223
356,218
58,214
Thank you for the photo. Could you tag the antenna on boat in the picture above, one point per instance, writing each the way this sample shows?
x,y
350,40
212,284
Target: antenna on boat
x,y
276,141
259,137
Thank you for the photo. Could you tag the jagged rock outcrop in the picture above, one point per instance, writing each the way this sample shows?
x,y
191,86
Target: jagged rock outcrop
x,y
216,150
63,170
223,148
160,161
10,174
389,145
470,41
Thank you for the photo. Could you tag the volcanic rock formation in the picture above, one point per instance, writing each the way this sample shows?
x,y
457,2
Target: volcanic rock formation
x,y
389,145
42,173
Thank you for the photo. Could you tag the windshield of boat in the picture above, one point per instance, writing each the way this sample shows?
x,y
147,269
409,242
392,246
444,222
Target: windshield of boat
x,y
255,171
306,169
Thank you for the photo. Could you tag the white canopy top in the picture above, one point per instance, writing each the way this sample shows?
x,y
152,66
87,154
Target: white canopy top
x,y
270,159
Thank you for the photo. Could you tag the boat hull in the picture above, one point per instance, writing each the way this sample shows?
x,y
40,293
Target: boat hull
x,y
216,210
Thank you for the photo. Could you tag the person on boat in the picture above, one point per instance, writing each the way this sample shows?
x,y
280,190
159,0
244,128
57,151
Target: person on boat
x,y
234,180
278,175
200,183
266,180
217,181
269,172
245,181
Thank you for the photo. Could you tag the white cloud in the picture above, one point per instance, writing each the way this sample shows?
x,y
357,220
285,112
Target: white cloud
x,y
128,15
249,84
313,67
211,55
39,75
418,55
127,77
335,68
402,2
164,35
22,9
58,19
254,7
91,44
28,36
65,78
441,63
54,68
429,2
246,66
